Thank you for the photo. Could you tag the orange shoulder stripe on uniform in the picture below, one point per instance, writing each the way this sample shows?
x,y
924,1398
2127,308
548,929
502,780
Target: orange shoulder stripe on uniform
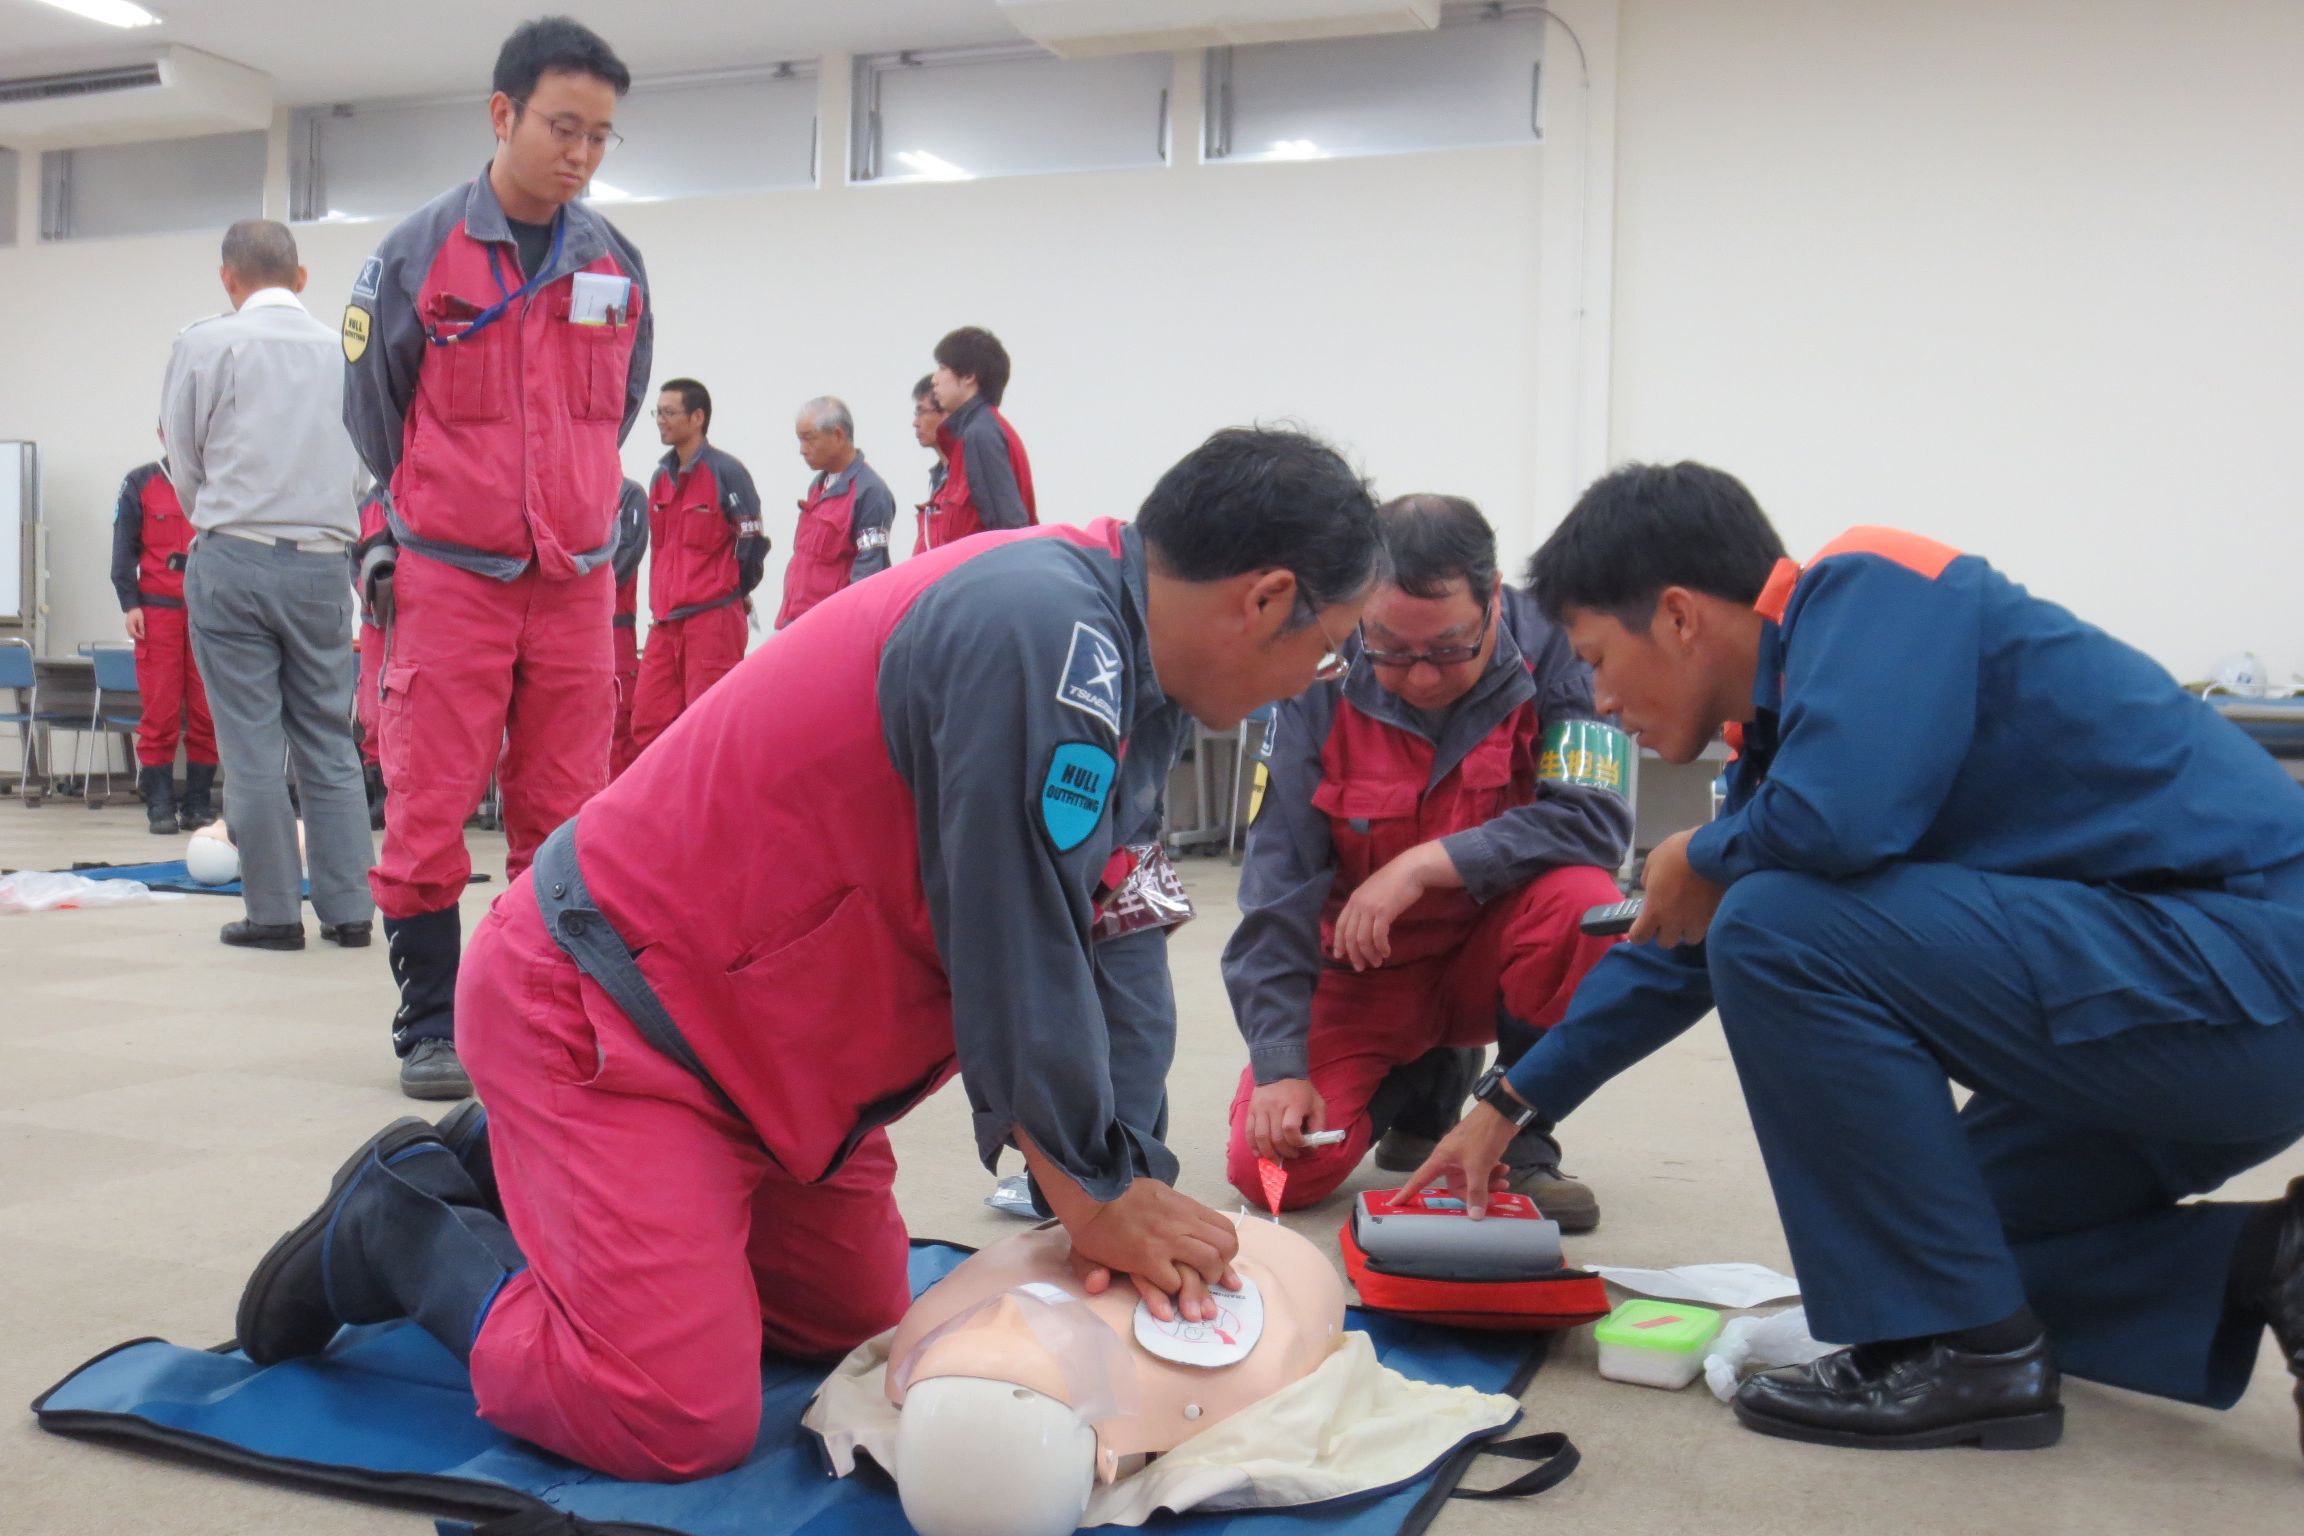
x,y
1777,592
1907,549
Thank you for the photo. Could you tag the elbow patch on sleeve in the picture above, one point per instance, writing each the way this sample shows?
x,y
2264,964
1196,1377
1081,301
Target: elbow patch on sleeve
x,y
1589,753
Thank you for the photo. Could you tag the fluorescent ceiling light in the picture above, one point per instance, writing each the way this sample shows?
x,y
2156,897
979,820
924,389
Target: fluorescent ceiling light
x,y
932,167
113,13
1297,149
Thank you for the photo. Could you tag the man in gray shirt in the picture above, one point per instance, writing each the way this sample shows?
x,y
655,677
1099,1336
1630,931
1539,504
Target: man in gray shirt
x,y
252,415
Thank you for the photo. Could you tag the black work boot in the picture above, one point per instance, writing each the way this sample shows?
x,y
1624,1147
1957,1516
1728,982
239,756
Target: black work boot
x,y
401,1234
424,950
158,787
1911,1395
197,811
1532,1168
2283,1297
465,1129
1421,1102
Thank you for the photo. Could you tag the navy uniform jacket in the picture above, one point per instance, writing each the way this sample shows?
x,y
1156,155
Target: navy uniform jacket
x,y
1273,961
1913,704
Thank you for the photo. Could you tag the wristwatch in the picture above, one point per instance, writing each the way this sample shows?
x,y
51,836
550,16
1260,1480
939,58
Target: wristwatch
x,y
1490,1090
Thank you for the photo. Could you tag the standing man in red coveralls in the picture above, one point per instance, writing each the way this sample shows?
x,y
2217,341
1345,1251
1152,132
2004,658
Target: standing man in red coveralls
x,y
631,549
1428,830
987,480
150,536
901,839
496,349
704,517
844,518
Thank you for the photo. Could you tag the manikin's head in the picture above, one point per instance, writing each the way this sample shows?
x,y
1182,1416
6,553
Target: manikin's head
x,y
1652,576
1262,548
1430,627
1011,1377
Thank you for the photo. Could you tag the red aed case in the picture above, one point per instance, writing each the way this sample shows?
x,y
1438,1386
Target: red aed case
x,y
1427,1259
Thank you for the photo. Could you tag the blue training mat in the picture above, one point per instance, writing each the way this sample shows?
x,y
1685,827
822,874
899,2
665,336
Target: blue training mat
x,y
168,875
386,1411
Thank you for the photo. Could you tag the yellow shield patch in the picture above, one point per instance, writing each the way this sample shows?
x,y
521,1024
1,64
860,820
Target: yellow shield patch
x,y
1256,792
355,333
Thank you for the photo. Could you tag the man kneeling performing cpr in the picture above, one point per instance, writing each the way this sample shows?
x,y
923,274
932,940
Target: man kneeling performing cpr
x,y
901,837
1969,839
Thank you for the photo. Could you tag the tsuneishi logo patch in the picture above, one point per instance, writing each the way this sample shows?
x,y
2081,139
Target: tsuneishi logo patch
x,y
1073,792
1092,674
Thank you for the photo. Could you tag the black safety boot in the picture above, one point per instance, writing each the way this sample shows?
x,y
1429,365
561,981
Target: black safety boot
x,y
401,1234
198,809
1912,1395
465,1129
244,934
158,787
1421,1102
2283,1298
423,951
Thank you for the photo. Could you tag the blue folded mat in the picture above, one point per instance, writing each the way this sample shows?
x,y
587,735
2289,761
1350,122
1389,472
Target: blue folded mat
x,y
386,1411
167,875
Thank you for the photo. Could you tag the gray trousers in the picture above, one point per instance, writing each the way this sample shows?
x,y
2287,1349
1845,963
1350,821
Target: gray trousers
x,y
272,632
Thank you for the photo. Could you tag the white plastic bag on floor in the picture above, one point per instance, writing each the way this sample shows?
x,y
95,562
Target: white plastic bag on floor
x,y
35,890
1752,1344
1734,1286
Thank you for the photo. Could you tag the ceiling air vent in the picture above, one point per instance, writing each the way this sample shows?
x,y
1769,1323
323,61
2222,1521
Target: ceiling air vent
x,y
163,93
84,82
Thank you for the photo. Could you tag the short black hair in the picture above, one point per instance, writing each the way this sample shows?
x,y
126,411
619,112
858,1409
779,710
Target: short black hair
x,y
1643,527
973,352
261,251
693,397
925,389
1431,541
556,45
1261,499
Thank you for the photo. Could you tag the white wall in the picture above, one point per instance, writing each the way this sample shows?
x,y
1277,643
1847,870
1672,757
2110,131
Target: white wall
x,y
2026,275
1385,302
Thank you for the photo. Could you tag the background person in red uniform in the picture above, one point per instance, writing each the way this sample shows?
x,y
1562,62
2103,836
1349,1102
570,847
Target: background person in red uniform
x,y
631,549
693,1018
844,519
496,349
987,480
708,554
927,422
150,538
1428,831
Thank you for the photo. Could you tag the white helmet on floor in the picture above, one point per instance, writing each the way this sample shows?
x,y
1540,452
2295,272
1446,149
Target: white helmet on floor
x,y
991,1458
210,857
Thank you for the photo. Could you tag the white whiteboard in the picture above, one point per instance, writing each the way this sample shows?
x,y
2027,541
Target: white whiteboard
x,y
15,462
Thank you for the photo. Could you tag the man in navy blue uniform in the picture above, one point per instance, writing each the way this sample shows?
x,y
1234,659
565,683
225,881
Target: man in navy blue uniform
x,y
1968,839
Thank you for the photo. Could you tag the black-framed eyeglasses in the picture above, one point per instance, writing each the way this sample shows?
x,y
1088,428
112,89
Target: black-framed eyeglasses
x,y
567,132
1439,656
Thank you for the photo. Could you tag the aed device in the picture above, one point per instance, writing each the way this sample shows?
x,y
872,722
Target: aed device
x,y
1428,1258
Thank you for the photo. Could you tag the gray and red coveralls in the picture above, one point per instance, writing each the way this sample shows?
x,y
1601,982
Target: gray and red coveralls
x,y
853,869
631,549
1352,778
708,551
842,537
150,535
494,417
987,479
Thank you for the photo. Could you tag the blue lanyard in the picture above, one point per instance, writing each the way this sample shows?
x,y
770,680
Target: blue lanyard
x,y
495,311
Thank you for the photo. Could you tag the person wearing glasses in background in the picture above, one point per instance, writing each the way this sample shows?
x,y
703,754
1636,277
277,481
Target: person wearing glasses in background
x,y
496,350
1428,827
927,419
707,553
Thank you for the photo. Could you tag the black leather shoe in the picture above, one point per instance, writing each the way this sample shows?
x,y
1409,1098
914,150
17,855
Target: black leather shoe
x,y
2284,1295
1912,1396
249,935
351,935
431,1071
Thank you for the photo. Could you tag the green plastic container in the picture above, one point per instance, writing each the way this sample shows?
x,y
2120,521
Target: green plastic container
x,y
1656,1343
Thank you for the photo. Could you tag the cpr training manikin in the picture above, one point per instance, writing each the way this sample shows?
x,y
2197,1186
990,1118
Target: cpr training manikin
x,y
1010,1400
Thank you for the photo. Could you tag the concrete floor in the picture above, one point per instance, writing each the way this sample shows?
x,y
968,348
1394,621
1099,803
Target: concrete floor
x,y
168,1106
